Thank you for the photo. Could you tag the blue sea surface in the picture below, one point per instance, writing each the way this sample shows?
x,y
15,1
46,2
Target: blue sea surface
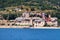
x,y
29,34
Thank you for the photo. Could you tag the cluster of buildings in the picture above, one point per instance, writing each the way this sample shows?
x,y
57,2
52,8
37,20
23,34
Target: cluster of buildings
x,y
41,21
27,21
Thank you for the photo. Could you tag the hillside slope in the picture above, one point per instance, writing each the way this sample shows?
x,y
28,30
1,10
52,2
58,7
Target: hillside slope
x,y
7,3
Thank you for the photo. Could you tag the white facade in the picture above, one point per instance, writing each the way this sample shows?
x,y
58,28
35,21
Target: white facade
x,y
53,22
25,22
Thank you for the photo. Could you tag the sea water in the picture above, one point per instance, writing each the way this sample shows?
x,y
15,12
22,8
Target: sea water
x,y
29,34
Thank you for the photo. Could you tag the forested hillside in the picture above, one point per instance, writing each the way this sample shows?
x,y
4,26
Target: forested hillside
x,y
52,6
41,4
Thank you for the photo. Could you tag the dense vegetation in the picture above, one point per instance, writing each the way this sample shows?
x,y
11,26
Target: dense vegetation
x,y
41,4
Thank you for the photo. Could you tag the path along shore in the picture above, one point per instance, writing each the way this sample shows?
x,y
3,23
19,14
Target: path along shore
x,y
30,27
